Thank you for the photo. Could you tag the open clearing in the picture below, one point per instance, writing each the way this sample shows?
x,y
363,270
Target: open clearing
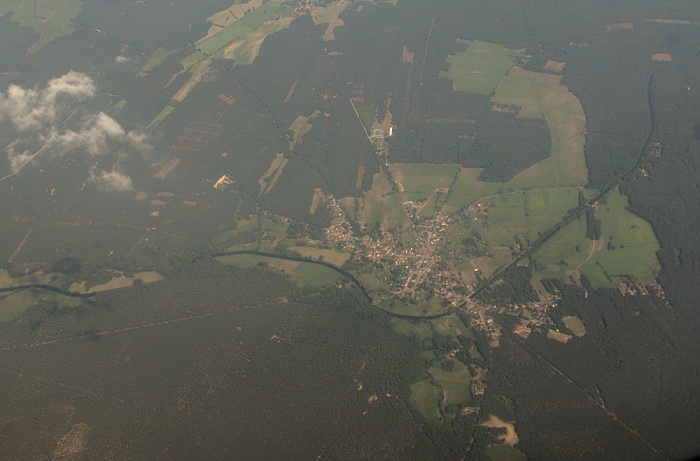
x,y
329,15
479,68
504,452
301,126
559,336
543,96
511,437
629,244
575,325
555,66
266,13
419,181
267,181
455,383
382,205
661,57
424,398
336,258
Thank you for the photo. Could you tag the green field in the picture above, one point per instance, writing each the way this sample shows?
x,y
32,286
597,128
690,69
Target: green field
x,y
419,181
455,383
451,325
543,96
49,18
629,244
382,205
575,325
424,398
419,308
420,329
270,11
367,114
313,276
14,304
480,68
504,452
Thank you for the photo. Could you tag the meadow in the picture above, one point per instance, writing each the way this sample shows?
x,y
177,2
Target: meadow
x,y
479,68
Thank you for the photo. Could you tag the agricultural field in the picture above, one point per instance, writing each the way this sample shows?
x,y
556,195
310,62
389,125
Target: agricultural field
x,y
538,95
382,205
334,257
255,18
419,181
481,67
627,247
417,308
49,18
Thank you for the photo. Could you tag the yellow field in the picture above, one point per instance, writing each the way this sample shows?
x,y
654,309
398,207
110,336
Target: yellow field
x,y
329,15
268,180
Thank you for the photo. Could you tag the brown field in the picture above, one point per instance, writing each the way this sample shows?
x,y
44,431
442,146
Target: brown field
x,y
329,15
511,437
267,181
661,57
555,66
360,177
318,196
141,196
619,26
559,336
170,166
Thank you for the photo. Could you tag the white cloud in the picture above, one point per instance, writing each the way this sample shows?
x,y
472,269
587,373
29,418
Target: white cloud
x,y
113,180
120,59
33,109
39,115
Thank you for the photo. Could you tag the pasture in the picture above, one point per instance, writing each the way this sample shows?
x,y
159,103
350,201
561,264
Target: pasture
x,y
455,383
424,398
479,68
382,205
629,244
256,18
49,18
336,258
575,325
543,96
419,181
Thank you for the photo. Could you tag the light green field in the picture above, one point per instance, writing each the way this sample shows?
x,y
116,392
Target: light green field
x,y
162,115
543,96
13,305
451,325
504,452
245,50
270,11
313,276
372,284
367,114
420,329
632,251
455,383
382,205
575,325
424,398
156,59
421,308
480,68
419,181
563,246
53,18
633,243
337,258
